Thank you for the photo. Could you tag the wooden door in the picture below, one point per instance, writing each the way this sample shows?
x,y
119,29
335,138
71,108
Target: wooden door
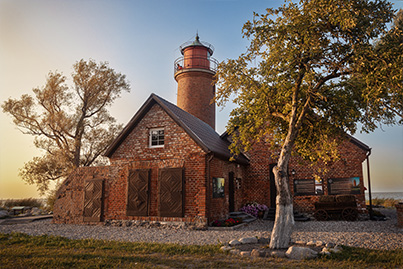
x,y
138,193
171,192
93,199
231,192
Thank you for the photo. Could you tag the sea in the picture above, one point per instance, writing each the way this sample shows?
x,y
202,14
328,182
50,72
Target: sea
x,y
386,195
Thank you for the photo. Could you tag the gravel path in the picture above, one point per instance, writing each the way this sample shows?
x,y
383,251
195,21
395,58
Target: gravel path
x,y
368,234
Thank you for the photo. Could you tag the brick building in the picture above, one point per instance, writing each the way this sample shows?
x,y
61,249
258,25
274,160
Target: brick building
x,y
169,164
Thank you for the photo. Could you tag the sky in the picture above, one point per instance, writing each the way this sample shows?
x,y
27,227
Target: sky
x,y
139,39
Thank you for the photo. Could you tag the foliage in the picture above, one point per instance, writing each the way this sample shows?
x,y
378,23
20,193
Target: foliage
x,y
227,223
305,81
385,202
25,251
32,202
70,124
253,209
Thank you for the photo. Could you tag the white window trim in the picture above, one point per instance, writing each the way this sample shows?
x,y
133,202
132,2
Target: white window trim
x,y
150,138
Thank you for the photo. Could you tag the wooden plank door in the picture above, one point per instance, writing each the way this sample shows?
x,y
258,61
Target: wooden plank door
x,y
231,192
93,199
138,193
171,192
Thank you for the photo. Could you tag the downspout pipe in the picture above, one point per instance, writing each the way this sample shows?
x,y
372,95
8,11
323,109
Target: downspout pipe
x,y
209,157
369,187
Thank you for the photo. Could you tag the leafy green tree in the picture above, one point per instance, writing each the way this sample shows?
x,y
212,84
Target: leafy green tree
x,y
293,86
71,124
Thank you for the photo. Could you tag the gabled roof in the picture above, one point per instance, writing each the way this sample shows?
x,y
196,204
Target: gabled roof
x,y
202,133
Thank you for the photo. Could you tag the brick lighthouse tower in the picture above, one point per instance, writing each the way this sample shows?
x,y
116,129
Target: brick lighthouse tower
x,y
194,73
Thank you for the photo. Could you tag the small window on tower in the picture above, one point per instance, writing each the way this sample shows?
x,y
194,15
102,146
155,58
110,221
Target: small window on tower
x,y
157,138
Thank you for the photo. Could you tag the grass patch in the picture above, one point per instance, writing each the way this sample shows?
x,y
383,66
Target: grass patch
x,y
23,251
385,202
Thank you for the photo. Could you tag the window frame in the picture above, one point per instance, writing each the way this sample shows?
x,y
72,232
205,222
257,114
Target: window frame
x,y
150,138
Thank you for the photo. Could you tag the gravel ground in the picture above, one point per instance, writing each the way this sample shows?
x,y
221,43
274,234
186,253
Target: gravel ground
x,y
368,234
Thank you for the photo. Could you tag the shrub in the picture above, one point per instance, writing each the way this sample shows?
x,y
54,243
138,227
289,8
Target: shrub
x,y
32,202
254,209
227,223
385,202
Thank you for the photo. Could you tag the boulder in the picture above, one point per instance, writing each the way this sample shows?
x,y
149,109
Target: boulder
x,y
278,254
234,242
244,253
226,248
300,253
248,240
234,251
263,240
311,243
3,213
257,253
330,245
319,243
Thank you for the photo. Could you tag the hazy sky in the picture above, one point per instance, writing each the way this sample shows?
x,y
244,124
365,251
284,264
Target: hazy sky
x,y
139,39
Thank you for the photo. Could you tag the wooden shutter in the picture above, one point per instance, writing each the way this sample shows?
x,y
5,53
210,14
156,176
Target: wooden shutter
x,y
93,199
138,193
171,192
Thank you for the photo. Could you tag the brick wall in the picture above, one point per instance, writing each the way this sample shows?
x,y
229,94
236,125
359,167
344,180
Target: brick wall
x,y
195,93
219,207
257,187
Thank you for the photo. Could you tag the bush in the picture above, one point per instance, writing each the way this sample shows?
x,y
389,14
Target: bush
x,y
227,223
254,209
31,202
385,202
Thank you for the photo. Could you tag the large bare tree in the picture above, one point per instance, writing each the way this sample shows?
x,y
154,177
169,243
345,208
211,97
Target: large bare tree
x,y
70,124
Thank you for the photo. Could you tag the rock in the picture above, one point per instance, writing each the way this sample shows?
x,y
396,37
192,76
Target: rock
x,y
248,240
300,253
234,251
263,240
336,249
278,254
330,245
226,248
234,242
244,253
311,243
300,242
257,253
3,213
325,251
319,243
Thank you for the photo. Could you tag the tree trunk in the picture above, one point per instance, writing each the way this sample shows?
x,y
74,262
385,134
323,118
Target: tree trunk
x,y
284,222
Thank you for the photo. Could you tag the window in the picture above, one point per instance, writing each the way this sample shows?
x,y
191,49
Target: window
x,y
218,187
349,185
157,138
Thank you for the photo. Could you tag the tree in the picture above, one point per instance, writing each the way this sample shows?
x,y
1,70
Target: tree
x,y
71,124
293,86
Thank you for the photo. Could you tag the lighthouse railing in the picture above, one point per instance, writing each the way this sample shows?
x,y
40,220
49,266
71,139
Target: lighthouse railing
x,y
198,62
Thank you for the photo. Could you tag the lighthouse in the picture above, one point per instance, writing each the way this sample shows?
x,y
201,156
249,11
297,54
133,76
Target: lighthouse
x,y
194,72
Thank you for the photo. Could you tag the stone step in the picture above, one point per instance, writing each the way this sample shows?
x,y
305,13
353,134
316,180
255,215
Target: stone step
x,y
246,218
271,215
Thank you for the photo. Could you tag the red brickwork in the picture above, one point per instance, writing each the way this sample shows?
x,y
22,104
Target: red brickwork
x,y
195,94
179,151
219,207
257,187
